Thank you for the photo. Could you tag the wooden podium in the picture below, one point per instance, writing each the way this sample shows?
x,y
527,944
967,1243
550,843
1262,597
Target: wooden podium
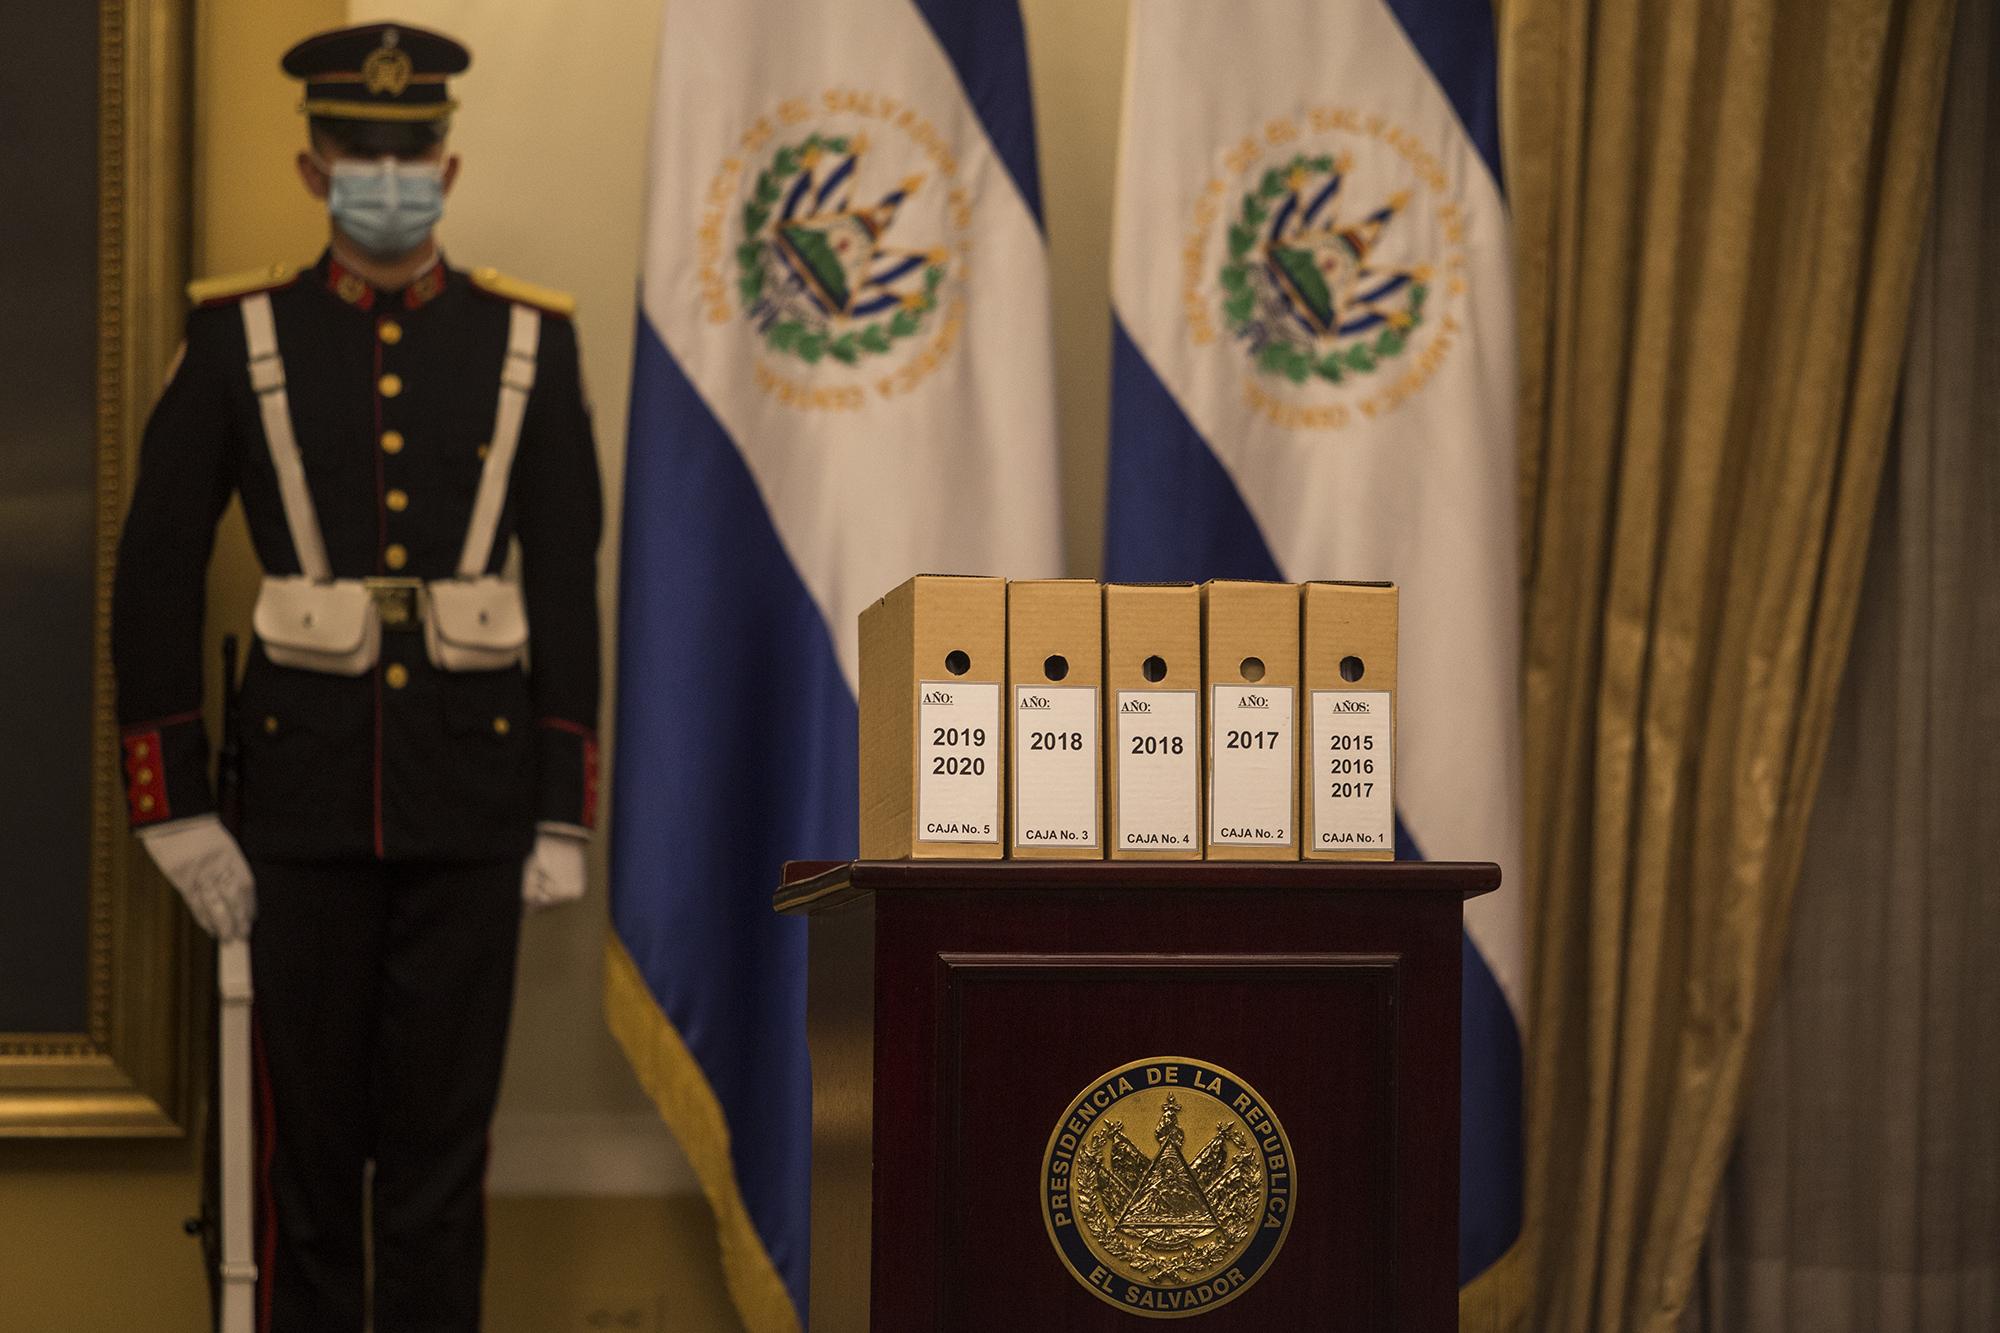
x,y
963,1016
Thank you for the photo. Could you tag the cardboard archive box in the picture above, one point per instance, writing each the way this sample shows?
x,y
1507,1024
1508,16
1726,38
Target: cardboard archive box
x,y
933,659
1348,662
1250,670
1055,673
1152,720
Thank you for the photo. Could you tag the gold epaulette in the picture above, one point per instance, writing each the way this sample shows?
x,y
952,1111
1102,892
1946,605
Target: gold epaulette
x,y
207,291
527,293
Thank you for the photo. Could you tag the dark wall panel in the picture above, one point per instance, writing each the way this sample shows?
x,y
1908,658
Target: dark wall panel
x,y
48,318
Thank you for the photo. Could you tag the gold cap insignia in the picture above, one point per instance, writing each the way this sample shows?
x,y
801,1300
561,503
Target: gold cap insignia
x,y
386,71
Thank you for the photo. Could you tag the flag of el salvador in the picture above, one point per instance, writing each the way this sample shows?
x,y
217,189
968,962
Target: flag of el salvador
x,y
842,377
1313,375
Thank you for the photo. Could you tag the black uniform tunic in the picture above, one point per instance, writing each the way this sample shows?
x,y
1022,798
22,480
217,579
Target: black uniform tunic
x,y
385,816
392,400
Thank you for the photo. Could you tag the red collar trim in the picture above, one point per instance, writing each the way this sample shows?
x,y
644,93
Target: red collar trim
x,y
424,288
348,285
356,291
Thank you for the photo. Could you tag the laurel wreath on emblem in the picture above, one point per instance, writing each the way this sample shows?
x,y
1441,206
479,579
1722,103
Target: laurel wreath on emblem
x,y
1298,286
813,273
1211,1205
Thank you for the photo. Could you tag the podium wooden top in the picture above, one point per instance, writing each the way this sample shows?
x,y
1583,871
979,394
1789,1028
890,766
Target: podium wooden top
x,y
811,885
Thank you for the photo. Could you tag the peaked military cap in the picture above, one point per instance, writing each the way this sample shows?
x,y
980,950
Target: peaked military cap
x,y
377,71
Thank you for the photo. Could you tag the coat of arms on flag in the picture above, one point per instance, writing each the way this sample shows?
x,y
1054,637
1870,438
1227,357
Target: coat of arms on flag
x,y
1331,243
819,273
1307,290
837,229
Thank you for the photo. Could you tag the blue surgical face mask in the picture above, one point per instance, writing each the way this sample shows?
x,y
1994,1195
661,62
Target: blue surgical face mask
x,y
387,206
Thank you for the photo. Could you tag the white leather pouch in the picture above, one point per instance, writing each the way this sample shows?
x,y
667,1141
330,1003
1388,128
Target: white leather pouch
x,y
478,624
331,627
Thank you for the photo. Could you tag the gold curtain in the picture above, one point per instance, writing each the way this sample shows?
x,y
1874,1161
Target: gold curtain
x,y
1863,1193
1718,208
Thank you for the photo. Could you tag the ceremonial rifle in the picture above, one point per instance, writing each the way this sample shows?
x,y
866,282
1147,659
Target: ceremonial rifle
x,y
225,1224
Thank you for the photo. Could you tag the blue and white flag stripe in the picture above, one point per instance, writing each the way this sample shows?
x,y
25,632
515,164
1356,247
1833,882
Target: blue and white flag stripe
x,y
988,48
842,377
1455,40
1314,378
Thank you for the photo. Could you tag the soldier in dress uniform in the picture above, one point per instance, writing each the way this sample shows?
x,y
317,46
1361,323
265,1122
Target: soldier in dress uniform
x,y
413,767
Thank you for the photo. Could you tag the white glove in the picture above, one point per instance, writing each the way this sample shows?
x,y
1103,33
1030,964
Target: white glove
x,y
200,859
556,870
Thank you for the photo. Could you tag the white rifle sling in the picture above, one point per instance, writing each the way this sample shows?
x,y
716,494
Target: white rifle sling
x,y
310,621
476,622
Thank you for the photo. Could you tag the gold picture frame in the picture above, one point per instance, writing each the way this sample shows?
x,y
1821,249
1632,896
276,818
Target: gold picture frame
x,y
129,1073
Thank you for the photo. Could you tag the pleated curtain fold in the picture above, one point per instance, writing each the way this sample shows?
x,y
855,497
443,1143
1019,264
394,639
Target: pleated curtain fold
x,y
1718,210
1864,1193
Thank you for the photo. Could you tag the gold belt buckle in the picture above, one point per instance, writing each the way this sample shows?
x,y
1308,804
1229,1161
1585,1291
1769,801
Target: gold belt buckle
x,y
399,602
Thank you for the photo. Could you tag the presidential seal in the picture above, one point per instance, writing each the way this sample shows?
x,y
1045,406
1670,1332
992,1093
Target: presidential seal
x,y
1329,248
838,233
1167,1187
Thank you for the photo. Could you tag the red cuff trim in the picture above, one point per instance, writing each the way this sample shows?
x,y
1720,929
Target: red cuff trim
x,y
145,779
588,817
160,723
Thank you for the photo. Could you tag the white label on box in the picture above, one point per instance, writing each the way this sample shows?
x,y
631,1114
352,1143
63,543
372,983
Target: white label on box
x,y
958,761
1250,803
1353,754
1159,771
1055,766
